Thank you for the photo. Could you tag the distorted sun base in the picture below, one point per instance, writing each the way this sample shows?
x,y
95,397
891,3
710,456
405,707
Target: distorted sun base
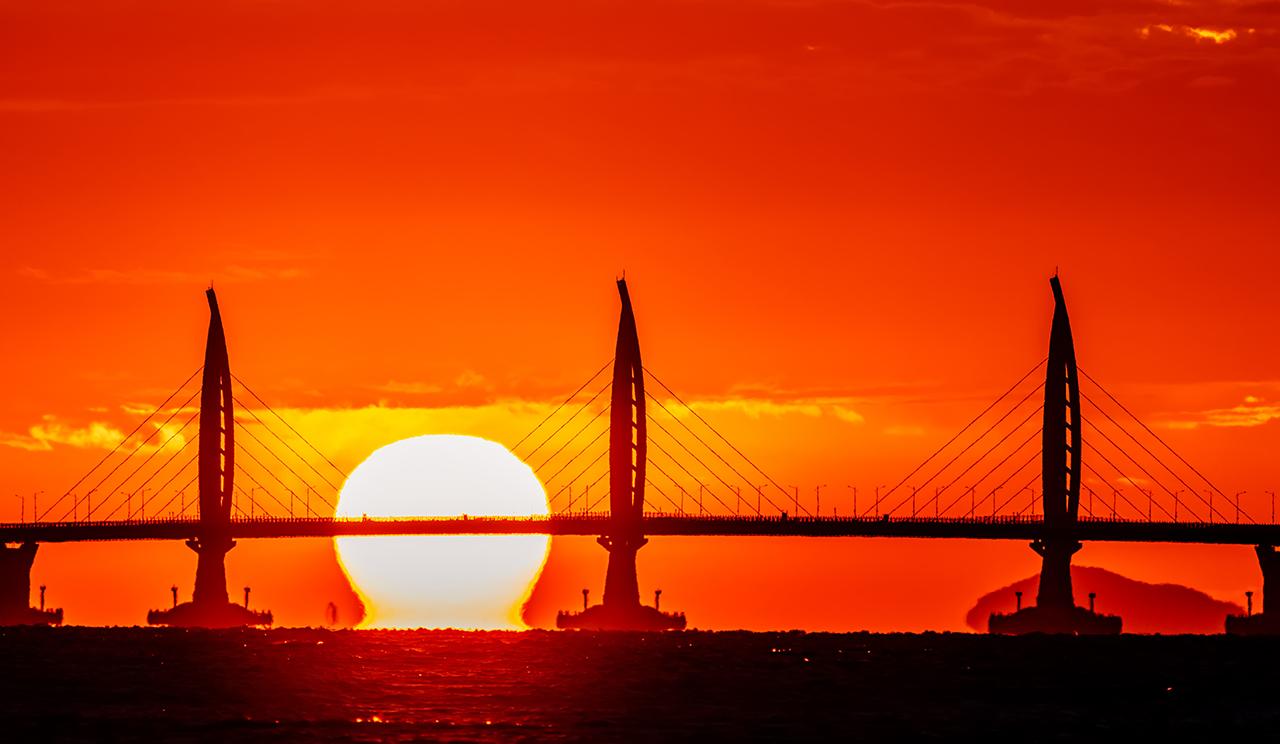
x,y
443,581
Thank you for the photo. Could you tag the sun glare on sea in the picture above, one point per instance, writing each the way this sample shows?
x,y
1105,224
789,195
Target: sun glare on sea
x,y
442,581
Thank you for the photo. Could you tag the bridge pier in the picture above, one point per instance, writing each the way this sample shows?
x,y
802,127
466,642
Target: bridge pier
x,y
1262,623
621,608
210,605
1055,610
15,588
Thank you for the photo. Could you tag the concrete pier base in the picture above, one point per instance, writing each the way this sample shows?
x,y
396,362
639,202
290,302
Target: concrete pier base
x,y
1055,610
209,606
624,617
1262,622
15,588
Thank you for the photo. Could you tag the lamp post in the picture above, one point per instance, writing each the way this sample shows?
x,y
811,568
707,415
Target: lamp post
x,y
1238,495
796,498
22,507
1273,506
817,499
174,591
759,496
35,506
854,489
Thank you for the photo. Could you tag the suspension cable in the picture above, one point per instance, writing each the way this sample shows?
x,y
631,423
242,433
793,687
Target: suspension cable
x,y
115,449
566,402
958,434
258,398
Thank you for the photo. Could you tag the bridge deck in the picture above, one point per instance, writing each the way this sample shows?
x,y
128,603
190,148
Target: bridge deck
x,y
997,528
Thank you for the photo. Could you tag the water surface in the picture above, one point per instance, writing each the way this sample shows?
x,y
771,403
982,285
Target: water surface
x,y
132,684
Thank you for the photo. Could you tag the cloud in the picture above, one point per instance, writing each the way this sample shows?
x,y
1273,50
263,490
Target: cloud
x,y
755,408
42,436
50,431
409,388
1252,411
1216,36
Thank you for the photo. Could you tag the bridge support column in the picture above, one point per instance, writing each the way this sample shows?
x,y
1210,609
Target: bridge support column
x,y
1055,610
1262,623
1055,573
15,588
210,606
211,571
621,608
621,587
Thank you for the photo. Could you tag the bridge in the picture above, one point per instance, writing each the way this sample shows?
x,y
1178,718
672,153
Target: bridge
x,y
658,467
655,524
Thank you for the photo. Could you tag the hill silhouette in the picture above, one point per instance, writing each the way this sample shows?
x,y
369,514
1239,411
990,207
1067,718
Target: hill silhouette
x,y
1146,608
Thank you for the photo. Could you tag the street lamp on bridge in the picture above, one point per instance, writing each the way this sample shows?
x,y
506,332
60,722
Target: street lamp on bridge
x,y
817,500
855,499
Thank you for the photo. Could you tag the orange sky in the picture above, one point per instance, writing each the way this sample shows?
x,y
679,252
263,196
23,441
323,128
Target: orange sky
x,y
414,213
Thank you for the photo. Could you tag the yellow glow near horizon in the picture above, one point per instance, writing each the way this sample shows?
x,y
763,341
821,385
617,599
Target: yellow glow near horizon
x,y
442,581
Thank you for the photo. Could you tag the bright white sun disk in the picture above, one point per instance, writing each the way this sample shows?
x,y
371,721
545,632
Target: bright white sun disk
x,y
443,581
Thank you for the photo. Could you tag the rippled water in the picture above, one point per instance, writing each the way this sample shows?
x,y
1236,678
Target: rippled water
x,y
299,685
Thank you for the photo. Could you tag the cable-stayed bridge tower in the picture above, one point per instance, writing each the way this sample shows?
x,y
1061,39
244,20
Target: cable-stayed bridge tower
x,y
209,606
1062,440
628,460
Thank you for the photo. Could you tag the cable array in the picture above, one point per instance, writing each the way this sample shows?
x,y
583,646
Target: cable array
x,y
990,469
152,472
693,469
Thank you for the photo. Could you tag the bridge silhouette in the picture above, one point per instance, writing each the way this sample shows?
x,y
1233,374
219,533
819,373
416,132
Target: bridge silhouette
x,y
657,467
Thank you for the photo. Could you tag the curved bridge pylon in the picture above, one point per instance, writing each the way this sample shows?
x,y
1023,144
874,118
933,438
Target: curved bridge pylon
x,y
628,450
210,606
1055,610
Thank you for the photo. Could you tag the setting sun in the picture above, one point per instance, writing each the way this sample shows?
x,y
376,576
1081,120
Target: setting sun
x,y
456,581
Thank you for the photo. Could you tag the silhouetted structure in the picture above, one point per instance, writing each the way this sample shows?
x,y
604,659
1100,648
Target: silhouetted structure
x,y
1262,623
628,447
15,588
209,606
1055,610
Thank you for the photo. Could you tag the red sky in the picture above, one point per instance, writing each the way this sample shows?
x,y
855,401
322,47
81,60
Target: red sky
x,y
414,212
